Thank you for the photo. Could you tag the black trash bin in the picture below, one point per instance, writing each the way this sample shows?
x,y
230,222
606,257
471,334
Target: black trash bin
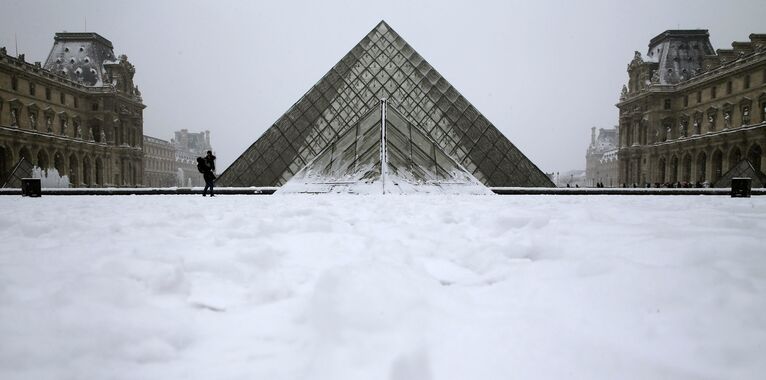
x,y
740,187
31,187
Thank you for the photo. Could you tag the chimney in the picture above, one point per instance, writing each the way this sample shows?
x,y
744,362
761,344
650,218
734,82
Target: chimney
x,y
593,136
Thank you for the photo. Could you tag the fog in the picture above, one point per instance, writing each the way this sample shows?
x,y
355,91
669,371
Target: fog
x,y
543,72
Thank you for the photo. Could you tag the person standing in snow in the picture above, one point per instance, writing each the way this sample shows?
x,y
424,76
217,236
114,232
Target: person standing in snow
x,y
207,174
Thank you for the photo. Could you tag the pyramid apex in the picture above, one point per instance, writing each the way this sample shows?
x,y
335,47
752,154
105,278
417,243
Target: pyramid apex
x,y
382,27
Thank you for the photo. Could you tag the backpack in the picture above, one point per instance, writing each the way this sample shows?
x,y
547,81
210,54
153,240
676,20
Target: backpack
x,y
201,166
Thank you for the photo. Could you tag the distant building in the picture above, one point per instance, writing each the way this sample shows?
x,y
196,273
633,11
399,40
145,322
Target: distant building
x,y
77,116
189,146
601,160
174,163
160,169
690,113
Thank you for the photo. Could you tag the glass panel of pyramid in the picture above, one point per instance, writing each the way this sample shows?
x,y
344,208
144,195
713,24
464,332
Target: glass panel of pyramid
x,y
383,66
373,157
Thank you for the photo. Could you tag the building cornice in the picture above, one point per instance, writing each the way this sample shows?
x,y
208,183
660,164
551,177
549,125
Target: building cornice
x,y
14,65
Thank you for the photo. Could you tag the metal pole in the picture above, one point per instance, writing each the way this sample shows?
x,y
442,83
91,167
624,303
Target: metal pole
x,y
383,152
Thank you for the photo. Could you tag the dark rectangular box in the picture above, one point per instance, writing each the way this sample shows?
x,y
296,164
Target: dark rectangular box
x,y
740,187
31,187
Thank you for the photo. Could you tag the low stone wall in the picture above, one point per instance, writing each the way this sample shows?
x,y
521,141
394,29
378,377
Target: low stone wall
x,y
149,191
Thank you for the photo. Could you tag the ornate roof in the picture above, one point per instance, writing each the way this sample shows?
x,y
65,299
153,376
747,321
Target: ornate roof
x,y
80,57
679,54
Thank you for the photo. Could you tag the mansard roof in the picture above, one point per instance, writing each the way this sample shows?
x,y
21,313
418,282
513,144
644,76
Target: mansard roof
x,y
80,57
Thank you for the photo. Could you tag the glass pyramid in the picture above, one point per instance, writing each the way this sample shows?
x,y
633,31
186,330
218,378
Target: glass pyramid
x,y
384,153
382,66
742,169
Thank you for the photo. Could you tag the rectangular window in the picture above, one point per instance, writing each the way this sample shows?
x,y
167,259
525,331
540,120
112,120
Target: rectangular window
x,y
747,82
699,97
15,82
728,87
712,92
94,106
31,89
62,98
686,101
667,104
47,93
76,102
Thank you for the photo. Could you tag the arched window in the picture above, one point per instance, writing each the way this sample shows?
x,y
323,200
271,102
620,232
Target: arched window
x,y
754,155
86,176
674,169
42,160
5,162
701,167
24,153
58,163
74,171
735,156
686,174
99,172
661,170
717,165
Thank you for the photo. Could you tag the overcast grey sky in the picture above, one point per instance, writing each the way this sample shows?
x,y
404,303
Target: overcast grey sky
x,y
543,72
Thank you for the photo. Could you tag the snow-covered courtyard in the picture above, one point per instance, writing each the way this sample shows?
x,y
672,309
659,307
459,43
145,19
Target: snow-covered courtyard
x,y
382,287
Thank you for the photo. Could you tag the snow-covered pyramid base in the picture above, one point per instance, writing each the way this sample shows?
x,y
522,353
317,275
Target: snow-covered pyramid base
x,y
384,154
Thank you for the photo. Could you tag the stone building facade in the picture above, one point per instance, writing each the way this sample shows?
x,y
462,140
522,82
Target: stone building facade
x,y
690,113
160,169
601,162
78,114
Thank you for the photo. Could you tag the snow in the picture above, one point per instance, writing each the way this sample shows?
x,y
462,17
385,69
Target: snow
x,y
382,287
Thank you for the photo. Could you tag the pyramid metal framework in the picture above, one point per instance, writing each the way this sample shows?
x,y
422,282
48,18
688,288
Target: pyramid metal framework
x,y
382,66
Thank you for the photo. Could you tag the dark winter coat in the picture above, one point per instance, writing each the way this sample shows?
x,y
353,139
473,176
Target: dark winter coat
x,y
210,161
